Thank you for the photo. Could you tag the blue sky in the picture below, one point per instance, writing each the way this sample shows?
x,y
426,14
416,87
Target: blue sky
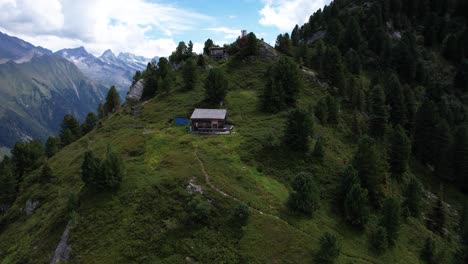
x,y
148,27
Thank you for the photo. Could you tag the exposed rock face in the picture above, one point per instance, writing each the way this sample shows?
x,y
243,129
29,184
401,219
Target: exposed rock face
x,y
267,51
30,207
62,252
317,36
136,91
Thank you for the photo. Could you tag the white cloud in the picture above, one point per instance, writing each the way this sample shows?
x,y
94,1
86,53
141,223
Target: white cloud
x,y
229,33
285,14
99,24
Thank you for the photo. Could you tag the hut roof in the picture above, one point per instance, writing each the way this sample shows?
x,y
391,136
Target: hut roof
x,y
209,114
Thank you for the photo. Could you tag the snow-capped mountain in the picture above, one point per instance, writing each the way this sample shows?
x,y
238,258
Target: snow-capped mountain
x,y
108,69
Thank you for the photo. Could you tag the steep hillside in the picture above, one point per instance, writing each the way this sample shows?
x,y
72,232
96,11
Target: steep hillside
x,y
176,201
18,50
34,97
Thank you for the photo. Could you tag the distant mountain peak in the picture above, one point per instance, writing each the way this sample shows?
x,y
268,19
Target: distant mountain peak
x,y
108,54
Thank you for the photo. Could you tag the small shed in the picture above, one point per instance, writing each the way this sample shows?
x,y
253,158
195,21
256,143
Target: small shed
x,y
210,121
218,53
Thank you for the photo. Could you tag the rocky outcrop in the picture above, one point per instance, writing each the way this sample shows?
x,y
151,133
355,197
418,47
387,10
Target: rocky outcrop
x,y
267,51
136,91
62,252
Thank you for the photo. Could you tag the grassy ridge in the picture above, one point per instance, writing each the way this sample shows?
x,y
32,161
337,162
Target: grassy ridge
x,y
148,219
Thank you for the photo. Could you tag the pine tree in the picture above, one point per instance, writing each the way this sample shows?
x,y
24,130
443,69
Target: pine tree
x,y
190,75
150,87
438,216
46,173
461,157
89,123
391,219
444,158
319,151
208,44
378,112
27,156
298,131
8,182
70,130
330,249
333,110
425,144
334,32
394,97
304,197
282,86
378,239
100,111
201,60
112,170
356,206
189,49
413,197
428,253
321,111
353,62
295,36
112,103
352,36
464,224
400,151
349,178
371,166
52,146
165,84
216,86
90,169
251,48
333,68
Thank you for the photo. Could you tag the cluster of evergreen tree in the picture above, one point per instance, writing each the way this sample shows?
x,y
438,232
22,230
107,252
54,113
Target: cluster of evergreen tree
x,y
159,77
104,174
244,46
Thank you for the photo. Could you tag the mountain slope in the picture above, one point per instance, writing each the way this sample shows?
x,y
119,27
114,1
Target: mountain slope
x,y
34,97
18,50
108,69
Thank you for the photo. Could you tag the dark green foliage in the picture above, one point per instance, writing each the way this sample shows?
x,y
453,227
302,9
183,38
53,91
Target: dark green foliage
x,y
352,36
437,218
295,36
394,97
8,182
100,111
165,84
190,75
27,156
391,219
112,171
429,251
399,151
461,157
199,209
89,123
251,48
321,111
70,130
201,60
334,32
349,178
282,86
240,214
216,86
356,206
150,87
136,77
298,130
89,168
52,146
46,173
189,52
208,44
378,239
413,198
378,112
319,151
112,103
451,49
284,44
460,256
333,68
304,197
370,163
425,141
444,157
464,224
405,58
333,110
353,62
330,249
180,54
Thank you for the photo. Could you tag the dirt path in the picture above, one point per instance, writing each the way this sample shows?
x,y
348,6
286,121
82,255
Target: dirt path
x,y
256,210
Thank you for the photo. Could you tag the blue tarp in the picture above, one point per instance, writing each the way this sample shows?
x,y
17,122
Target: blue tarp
x,y
181,121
